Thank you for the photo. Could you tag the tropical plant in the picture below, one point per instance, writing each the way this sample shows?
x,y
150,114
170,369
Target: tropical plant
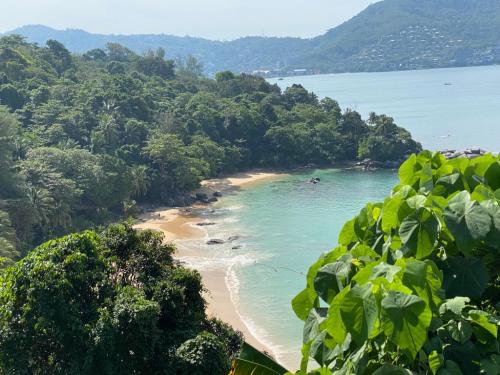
x,y
414,284
108,303
252,362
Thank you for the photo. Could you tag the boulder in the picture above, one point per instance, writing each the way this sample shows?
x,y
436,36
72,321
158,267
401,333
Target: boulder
x,y
217,194
233,238
215,241
201,196
205,223
212,200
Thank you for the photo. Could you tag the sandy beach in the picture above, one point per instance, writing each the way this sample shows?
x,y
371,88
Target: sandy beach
x,y
180,224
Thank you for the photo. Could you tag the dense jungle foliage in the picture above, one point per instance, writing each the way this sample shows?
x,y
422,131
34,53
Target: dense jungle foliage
x,y
108,303
414,285
84,138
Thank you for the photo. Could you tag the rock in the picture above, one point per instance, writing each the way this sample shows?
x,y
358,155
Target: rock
x,y
314,180
201,196
205,223
233,238
179,202
212,200
236,247
189,200
217,194
215,241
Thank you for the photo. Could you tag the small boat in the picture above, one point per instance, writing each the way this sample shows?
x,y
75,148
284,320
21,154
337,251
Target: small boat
x,y
280,79
447,84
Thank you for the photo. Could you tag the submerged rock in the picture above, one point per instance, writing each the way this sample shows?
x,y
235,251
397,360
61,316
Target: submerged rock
x,y
217,194
233,238
201,196
215,241
205,223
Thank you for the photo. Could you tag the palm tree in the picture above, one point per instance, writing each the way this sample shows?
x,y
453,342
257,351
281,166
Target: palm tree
x,y
140,180
41,204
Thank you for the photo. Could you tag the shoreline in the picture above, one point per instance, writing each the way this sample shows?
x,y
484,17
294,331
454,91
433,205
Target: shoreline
x,y
179,226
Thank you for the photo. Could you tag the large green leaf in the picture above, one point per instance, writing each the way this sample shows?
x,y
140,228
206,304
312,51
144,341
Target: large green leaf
x,y
304,302
493,175
455,305
467,277
407,171
332,278
313,322
419,232
360,312
483,320
406,320
424,278
253,362
467,221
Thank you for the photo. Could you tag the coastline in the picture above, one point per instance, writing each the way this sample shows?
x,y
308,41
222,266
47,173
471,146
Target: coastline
x,y
179,226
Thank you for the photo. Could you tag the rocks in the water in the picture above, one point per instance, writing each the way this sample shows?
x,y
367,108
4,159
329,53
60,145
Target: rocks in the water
x,y
212,200
205,223
215,241
217,194
236,247
233,238
470,153
368,164
201,196
314,180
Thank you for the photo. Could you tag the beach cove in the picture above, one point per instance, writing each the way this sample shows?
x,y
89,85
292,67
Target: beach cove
x,y
279,224
182,225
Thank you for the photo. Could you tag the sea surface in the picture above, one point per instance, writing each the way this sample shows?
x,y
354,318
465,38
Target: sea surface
x,y
452,108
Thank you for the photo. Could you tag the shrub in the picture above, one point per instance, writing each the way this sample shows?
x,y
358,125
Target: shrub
x,y
414,284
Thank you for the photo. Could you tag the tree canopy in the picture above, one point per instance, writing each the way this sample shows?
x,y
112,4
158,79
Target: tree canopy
x,y
413,285
85,138
112,302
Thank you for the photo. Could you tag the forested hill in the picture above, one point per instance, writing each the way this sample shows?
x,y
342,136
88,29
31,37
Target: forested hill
x,y
83,139
388,35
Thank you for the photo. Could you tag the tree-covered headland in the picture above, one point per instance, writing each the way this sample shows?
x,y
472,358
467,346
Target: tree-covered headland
x,y
85,138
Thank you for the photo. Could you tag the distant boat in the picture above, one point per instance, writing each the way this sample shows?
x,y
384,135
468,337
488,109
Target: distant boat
x,y
447,84
280,79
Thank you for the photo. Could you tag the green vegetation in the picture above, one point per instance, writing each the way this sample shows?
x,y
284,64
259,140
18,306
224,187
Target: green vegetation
x,y
84,139
414,285
388,35
108,303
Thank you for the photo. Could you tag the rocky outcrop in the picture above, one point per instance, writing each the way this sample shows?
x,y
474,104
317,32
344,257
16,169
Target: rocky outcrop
x,y
368,164
470,153
215,241
205,223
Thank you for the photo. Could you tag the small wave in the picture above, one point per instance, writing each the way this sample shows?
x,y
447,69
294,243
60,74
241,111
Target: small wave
x,y
233,285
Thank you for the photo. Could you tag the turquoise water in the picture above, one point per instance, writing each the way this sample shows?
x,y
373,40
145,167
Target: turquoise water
x,y
285,224
463,114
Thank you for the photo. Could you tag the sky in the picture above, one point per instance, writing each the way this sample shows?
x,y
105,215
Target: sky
x,y
213,19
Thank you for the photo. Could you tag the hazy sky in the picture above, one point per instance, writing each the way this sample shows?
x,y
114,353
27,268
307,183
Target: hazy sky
x,y
215,19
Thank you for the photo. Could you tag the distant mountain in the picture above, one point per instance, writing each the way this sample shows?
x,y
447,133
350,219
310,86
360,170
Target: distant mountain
x,y
388,35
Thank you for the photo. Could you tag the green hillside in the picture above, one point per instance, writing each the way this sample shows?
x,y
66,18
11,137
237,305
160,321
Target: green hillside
x,y
388,35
